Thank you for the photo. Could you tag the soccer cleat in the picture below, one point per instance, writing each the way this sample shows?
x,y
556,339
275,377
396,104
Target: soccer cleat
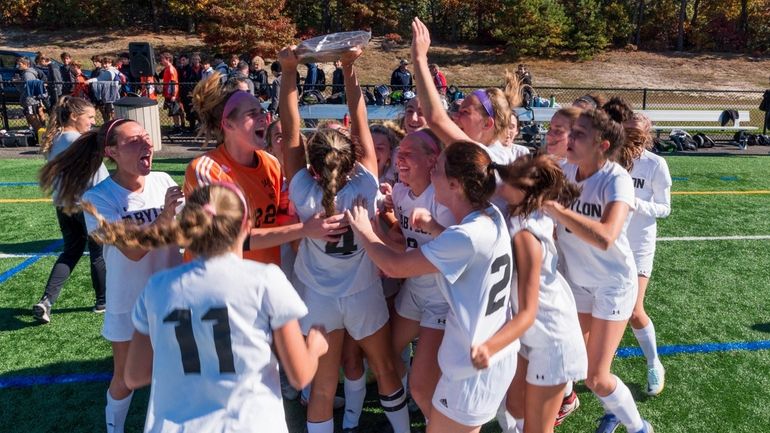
x,y
42,311
646,428
656,379
568,405
99,308
608,423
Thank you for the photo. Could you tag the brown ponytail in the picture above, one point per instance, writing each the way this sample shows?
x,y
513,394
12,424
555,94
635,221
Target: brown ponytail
x,y
65,108
332,156
541,179
209,99
470,165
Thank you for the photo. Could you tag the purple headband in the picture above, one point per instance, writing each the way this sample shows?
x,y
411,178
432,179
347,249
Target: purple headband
x,y
235,189
482,96
234,100
426,138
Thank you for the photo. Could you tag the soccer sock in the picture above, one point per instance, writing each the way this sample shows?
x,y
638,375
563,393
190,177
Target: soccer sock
x,y
321,427
621,403
395,409
568,389
519,425
115,413
405,382
648,343
355,393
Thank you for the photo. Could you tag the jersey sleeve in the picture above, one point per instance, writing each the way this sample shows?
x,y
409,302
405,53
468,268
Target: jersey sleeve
x,y
281,302
621,188
443,215
660,205
139,313
450,253
109,212
203,171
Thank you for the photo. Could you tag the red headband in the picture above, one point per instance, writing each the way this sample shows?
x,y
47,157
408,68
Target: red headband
x,y
427,139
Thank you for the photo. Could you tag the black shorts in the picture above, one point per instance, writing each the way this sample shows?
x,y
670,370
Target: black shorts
x,y
174,107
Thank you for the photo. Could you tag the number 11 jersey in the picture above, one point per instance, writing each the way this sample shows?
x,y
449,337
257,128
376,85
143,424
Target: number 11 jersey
x,y
211,326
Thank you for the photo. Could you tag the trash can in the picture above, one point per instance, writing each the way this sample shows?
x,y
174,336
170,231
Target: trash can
x,y
145,112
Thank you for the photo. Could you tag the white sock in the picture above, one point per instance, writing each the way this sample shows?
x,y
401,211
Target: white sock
x,y
355,393
395,409
648,343
405,382
568,389
621,403
505,419
306,393
115,413
321,427
520,425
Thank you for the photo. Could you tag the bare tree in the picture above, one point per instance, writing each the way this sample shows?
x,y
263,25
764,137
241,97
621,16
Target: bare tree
x,y
682,18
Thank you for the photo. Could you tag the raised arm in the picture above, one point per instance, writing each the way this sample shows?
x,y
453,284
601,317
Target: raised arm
x,y
359,122
293,152
437,118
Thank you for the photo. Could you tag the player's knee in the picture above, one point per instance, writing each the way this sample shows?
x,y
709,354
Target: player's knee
x,y
353,366
599,383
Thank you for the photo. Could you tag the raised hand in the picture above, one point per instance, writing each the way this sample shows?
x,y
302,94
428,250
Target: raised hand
x,y
420,40
288,58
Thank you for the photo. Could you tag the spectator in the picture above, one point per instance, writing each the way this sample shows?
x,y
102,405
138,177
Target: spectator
x,y
241,72
80,87
41,64
97,61
338,85
401,78
523,75
233,62
189,76
54,81
258,76
765,106
221,67
275,87
315,78
67,74
171,92
438,78
124,68
32,93
236,82
107,88
207,69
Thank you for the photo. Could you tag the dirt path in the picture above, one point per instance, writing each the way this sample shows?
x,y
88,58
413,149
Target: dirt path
x,y
462,64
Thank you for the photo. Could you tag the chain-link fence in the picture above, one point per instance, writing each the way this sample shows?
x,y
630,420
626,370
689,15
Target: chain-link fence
x,y
12,116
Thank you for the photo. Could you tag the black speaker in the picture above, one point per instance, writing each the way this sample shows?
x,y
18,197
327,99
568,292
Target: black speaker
x,y
141,59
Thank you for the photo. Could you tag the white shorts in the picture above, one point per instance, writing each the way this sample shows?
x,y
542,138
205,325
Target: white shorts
x,y
117,327
606,303
556,364
361,314
474,400
430,312
644,259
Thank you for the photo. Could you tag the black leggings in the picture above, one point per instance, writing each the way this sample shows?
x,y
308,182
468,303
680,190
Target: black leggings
x,y
73,229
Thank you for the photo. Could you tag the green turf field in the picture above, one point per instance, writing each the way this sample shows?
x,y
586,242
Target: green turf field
x,y
702,292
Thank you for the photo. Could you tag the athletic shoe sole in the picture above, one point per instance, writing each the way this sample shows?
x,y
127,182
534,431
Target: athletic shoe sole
x,y
41,313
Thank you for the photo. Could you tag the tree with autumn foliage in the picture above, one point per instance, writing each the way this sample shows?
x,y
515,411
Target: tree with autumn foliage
x,y
257,27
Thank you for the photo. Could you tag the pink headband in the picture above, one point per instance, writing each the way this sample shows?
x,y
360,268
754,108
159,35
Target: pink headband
x,y
112,125
428,139
481,94
235,189
234,101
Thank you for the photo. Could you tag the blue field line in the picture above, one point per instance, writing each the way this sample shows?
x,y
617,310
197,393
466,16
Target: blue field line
x,y
623,352
18,183
674,178
5,276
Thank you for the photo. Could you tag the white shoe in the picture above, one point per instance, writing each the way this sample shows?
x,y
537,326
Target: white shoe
x,y
42,311
656,379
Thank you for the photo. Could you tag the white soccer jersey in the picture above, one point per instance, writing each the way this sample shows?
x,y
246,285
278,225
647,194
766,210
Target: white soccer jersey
x,y
340,269
501,155
404,203
652,185
556,313
587,265
476,262
211,325
125,277
518,151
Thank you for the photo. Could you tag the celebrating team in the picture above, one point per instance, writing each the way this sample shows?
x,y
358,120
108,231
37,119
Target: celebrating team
x,y
496,261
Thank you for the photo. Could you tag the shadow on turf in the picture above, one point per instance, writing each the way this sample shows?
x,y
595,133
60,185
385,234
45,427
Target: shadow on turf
x,y
12,319
761,327
31,247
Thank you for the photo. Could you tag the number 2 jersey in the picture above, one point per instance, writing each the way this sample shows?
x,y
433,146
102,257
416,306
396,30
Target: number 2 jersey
x,y
261,186
476,262
334,269
211,325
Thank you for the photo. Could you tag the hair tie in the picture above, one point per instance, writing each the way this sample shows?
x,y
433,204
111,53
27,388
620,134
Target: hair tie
x,y
483,98
210,209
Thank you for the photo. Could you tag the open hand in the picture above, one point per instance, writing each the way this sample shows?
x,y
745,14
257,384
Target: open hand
x,y
350,57
420,40
288,58
174,196
326,228
358,216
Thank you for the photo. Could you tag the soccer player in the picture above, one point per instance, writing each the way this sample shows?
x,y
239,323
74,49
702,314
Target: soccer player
x,y
600,266
204,330
474,259
340,284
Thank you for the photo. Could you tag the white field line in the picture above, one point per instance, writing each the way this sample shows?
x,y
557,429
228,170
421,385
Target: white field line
x,y
660,239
